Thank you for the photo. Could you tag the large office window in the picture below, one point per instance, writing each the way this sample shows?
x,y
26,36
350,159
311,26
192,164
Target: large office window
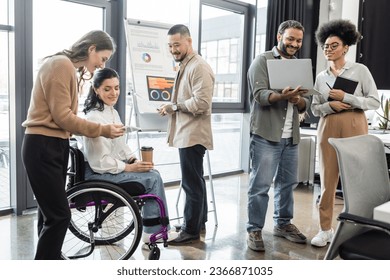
x,y
57,25
222,44
41,34
222,47
53,32
261,24
5,29
37,35
4,12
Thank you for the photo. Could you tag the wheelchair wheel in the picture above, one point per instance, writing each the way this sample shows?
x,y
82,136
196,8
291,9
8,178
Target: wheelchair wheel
x,y
105,223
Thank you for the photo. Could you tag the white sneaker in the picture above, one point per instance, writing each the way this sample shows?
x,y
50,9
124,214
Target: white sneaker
x,y
172,234
322,238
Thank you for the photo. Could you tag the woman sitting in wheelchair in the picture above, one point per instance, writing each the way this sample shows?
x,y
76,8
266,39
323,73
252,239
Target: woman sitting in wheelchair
x,y
112,159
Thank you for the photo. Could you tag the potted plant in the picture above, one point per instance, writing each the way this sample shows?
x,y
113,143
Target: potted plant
x,y
384,117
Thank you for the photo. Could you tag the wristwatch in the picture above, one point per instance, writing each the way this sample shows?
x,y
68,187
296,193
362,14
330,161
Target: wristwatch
x,y
174,107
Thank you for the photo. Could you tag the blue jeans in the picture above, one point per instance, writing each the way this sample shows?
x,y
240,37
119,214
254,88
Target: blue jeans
x,y
269,158
152,182
194,186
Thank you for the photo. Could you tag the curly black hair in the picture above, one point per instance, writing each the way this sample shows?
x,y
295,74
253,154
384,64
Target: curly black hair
x,y
344,29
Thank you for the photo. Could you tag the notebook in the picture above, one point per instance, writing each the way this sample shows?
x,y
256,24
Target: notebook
x,y
347,85
290,72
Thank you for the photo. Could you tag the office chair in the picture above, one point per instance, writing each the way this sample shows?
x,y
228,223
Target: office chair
x,y
365,178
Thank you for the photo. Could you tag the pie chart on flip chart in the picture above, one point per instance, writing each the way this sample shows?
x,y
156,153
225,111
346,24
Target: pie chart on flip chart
x,y
146,57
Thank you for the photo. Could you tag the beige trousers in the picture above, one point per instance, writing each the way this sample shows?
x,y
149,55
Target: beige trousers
x,y
340,125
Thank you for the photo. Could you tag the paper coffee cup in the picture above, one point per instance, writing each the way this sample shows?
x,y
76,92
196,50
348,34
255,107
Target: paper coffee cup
x,y
147,154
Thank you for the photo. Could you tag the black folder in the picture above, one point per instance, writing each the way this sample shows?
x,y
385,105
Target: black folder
x,y
346,85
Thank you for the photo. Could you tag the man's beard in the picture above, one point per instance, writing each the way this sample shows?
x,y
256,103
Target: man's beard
x,y
284,49
179,58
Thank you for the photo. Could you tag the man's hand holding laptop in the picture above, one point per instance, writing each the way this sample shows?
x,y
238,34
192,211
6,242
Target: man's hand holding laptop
x,y
292,95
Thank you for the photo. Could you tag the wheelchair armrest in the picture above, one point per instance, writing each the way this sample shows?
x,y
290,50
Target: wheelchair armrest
x,y
365,222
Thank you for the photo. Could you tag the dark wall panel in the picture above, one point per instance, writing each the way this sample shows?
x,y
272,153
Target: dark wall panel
x,y
374,48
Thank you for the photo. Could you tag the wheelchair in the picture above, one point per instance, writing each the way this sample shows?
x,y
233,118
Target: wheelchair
x,y
106,222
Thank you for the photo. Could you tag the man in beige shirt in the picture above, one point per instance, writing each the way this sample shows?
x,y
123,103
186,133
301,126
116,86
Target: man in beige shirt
x,y
189,127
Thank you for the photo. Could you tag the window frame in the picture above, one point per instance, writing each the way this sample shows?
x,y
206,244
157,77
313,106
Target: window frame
x,y
249,12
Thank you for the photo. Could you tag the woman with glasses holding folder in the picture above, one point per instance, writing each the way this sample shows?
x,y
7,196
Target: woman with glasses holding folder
x,y
347,90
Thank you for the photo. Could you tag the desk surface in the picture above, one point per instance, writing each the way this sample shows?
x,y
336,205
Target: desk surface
x,y
385,137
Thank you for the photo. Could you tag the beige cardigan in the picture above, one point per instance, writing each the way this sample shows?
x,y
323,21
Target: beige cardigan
x,y
54,102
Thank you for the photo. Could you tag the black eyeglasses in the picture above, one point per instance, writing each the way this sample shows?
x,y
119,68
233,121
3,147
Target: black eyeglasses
x,y
332,46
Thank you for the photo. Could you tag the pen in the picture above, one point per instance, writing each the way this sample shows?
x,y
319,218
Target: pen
x,y
328,85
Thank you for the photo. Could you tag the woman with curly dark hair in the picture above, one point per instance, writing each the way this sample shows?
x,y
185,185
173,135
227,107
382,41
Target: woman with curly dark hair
x,y
341,113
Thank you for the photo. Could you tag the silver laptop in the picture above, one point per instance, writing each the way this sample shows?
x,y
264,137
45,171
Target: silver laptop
x,y
290,72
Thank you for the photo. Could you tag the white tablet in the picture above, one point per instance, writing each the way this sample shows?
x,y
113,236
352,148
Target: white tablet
x,y
290,72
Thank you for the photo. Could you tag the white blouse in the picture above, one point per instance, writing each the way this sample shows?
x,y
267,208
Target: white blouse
x,y
106,155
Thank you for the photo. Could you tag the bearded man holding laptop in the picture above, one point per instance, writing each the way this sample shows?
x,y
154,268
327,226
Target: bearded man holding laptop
x,y
274,132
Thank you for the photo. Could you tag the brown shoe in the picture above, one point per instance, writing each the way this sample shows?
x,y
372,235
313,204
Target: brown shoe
x,y
290,232
254,241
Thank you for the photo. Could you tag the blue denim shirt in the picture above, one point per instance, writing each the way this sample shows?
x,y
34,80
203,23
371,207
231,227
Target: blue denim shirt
x,y
266,119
